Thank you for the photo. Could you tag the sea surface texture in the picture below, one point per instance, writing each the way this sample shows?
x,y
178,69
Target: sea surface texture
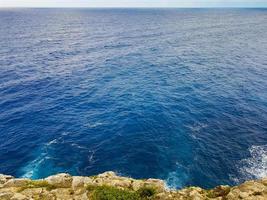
x,y
176,94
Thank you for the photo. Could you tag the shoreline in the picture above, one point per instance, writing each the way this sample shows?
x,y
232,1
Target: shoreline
x,y
108,185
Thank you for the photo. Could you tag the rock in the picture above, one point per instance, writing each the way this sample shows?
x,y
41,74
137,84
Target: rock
x,y
87,181
121,183
64,187
195,195
219,191
162,195
243,195
5,178
159,185
137,184
18,196
263,181
62,180
108,174
32,191
252,187
81,181
45,196
78,181
6,195
231,196
79,191
111,179
81,197
20,182
63,193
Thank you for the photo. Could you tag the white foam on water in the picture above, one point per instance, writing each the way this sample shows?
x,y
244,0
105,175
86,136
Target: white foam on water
x,y
30,170
178,178
52,142
94,125
196,127
255,167
43,164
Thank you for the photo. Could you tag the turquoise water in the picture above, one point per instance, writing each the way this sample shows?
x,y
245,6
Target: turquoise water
x,y
176,94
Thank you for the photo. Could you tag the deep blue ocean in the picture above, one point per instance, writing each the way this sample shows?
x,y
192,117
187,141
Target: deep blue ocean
x,y
176,94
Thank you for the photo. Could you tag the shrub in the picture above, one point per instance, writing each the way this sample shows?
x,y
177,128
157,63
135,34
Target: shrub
x,y
38,184
112,193
146,192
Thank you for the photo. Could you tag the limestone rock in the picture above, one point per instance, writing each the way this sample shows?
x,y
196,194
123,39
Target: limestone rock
x,y
62,180
5,178
79,181
64,187
18,196
63,193
248,190
158,184
108,174
20,182
137,184
195,195
6,195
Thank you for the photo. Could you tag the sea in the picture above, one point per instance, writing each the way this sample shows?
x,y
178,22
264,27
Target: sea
x,y
174,94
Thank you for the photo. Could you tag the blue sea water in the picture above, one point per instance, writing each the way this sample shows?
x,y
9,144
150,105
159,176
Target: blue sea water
x,y
176,94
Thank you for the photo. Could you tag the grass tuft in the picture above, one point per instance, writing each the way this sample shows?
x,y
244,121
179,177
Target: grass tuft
x,y
112,193
146,192
38,184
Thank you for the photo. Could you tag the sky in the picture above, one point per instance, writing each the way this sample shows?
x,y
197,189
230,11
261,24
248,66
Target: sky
x,y
133,3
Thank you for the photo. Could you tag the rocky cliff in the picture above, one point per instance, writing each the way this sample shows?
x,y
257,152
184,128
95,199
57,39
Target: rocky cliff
x,y
109,186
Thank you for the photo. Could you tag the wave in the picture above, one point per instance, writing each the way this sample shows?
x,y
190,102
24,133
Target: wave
x,y
94,125
42,161
47,157
178,178
30,170
255,166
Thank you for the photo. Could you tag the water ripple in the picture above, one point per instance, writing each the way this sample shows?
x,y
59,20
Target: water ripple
x,y
173,94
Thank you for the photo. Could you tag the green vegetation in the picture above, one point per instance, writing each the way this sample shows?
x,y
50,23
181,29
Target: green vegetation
x,y
38,184
111,193
146,192
93,177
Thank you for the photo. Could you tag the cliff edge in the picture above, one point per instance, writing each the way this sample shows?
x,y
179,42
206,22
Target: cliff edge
x,y
109,186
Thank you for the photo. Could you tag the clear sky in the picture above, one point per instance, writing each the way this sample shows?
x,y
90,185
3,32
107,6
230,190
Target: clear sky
x,y
133,3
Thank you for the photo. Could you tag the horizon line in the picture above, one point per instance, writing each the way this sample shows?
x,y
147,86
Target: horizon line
x,y
114,7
